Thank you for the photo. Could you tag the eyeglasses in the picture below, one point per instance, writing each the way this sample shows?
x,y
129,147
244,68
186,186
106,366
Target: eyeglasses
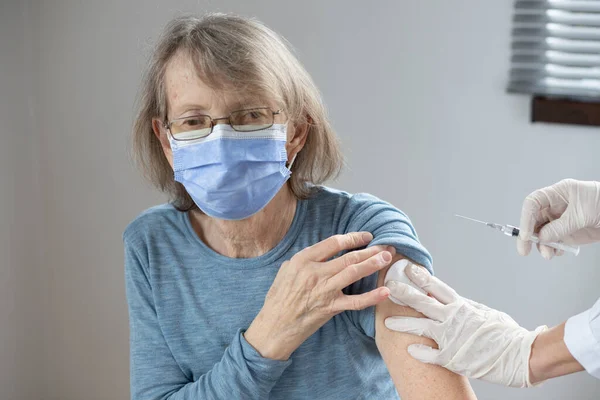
x,y
200,126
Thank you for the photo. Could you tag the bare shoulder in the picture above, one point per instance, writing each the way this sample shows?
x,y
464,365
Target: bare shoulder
x,y
413,379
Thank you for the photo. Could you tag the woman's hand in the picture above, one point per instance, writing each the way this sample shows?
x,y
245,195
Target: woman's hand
x,y
307,292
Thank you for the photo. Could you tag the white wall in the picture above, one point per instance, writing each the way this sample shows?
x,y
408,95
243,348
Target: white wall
x,y
21,223
439,136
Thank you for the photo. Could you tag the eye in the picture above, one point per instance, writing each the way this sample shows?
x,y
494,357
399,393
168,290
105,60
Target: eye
x,y
192,122
252,117
195,122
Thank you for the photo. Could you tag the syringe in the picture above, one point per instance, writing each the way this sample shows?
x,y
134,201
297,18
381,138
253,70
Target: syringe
x,y
513,231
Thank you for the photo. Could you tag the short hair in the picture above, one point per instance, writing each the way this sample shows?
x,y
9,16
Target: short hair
x,y
244,54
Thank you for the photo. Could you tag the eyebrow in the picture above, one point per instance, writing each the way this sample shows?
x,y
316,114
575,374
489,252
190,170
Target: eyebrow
x,y
237,105
192,107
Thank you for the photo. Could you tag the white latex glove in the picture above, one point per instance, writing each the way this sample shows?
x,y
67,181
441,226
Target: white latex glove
x,y
473,340
568,211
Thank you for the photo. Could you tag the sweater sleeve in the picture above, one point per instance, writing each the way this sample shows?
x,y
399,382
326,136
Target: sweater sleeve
x,y
389,226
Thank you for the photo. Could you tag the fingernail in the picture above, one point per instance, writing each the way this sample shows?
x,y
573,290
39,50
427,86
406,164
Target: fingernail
x,y
412,348
416,274
386,257
367,237
384,292
391,284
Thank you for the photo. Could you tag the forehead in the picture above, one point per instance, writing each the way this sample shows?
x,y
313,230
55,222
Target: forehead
x,y
184,86
186,90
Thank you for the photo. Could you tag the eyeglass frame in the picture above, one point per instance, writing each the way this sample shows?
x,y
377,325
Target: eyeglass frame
x,y
167,124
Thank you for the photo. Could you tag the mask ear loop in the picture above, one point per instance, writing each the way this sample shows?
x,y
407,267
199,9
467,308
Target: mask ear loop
x,y
289,167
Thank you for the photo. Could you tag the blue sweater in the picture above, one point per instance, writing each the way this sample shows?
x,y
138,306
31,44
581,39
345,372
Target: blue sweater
x,y
189,306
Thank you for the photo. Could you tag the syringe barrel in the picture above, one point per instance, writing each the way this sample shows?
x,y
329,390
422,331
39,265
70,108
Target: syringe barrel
x,y
514,231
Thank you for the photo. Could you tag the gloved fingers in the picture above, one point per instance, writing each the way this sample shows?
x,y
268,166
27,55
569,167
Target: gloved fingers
x,y
422,303
429,283
531,213
560,228
559,253
477,305
548,200
543,216
415,326
523,246
546,252
424,353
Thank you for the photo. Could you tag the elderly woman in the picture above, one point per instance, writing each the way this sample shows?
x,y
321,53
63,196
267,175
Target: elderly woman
x,y
255,282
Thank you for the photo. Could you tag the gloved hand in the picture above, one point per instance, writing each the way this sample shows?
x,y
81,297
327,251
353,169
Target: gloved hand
x,y
568,211
473,340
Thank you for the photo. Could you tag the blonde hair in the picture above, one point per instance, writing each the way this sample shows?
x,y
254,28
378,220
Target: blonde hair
x,y
240,53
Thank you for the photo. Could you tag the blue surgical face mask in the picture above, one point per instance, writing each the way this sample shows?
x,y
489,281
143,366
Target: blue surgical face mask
x,y
232,175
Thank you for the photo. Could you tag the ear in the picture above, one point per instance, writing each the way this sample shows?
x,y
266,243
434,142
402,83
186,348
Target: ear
x,y
161,134
298,139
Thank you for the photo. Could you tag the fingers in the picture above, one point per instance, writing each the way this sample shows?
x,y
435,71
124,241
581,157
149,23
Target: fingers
x,y
424,353
558,229
541,206
360,301
353,272
546,252
429,283
531,213
523,246
422,303
415,326
329,247
554,198
478,306
559,253
337,265
538,206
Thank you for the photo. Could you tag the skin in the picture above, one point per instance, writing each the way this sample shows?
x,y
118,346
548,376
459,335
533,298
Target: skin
x,y
187,95
413,379
550,356
306,292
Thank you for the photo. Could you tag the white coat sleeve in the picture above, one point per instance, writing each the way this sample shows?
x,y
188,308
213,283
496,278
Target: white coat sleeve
x,y
582,337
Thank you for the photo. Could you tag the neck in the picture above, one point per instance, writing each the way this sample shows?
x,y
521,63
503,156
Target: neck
x,y
253,236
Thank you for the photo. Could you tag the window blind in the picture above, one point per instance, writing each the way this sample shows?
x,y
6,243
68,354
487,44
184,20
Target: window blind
x,y
556,48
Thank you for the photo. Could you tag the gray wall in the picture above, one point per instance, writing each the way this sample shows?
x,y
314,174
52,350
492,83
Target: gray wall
x,y
21,216
443,138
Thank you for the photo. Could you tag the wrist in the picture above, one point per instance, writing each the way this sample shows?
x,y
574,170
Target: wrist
x,y
550,356
261,335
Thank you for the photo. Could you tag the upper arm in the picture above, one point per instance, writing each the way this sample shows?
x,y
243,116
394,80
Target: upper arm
x,y
413,379
154,371
390,226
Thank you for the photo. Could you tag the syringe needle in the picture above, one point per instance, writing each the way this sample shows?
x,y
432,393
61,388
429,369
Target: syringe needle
x,y
470,219
513,231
